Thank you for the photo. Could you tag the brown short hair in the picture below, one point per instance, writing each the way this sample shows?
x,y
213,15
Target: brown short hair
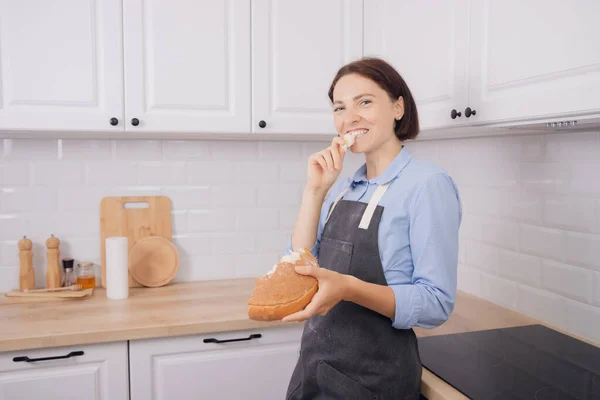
x,y
384,75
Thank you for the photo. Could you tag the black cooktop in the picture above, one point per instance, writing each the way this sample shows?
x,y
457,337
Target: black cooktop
x,y
526,362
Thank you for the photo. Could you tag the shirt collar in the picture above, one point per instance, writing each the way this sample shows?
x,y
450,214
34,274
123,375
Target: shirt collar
x,y
391,172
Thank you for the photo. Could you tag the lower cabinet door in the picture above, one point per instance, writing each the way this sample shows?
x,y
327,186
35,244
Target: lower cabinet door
x,y
224,366
87,372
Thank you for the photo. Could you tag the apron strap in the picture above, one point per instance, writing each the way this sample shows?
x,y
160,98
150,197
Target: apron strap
x,y
337,199
370,210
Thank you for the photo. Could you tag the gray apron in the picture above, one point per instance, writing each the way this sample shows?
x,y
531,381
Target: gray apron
x,y
353,352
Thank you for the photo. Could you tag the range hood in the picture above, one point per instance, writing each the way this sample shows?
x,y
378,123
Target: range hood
x,y
553,124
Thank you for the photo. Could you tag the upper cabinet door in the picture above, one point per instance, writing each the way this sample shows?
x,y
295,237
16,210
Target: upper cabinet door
x,y
427,43
61,65
187,65
298,47
534,58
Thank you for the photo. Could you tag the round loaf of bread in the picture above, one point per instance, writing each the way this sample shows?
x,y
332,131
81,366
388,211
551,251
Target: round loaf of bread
x,y
283,291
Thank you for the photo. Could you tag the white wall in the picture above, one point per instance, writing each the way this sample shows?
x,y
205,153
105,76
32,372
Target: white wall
x,y
530,238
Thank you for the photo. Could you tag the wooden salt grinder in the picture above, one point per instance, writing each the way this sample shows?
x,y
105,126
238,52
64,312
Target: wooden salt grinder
x,y
26,272
53,275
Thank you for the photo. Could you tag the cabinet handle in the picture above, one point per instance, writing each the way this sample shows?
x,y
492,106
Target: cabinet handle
x,y
469,112
455,114
262,124
135,121
213,340
27,359
114,121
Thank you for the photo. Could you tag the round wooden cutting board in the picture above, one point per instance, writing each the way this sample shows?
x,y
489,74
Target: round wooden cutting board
x,y
153,261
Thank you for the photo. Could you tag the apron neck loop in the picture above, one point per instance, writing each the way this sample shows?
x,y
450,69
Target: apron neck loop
x,y
368,214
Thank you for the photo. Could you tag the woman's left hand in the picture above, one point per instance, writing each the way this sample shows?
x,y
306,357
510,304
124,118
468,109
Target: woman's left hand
x,y
333,288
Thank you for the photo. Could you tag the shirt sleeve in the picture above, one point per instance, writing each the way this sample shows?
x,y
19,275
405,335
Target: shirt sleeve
x,y
435,216
335,190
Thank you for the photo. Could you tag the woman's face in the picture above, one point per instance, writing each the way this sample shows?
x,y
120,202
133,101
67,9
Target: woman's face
x,y
359,104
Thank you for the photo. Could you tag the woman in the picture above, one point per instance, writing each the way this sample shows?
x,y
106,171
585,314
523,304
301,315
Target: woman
x,y
387,244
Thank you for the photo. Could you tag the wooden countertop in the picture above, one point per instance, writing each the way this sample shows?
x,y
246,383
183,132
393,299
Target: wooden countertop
x,y
194,308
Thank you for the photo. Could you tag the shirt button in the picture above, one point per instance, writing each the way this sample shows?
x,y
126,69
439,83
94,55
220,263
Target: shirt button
x,y
320,361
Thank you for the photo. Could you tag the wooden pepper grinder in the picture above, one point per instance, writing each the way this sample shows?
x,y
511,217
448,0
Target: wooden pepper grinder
x,y
53,276
26,273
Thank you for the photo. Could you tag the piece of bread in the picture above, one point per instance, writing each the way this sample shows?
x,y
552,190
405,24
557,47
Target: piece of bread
x,y
282,291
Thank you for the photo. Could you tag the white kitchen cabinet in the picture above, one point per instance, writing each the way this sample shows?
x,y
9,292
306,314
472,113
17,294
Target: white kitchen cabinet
x,y
187,65
297,48
99,373
61,65
534,59
427,43
188,368
491,61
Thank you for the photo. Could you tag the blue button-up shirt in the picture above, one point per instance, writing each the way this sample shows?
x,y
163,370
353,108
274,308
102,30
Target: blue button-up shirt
x,y
418,236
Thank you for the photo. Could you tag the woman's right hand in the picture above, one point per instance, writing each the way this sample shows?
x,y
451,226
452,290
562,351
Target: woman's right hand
x,y
325,166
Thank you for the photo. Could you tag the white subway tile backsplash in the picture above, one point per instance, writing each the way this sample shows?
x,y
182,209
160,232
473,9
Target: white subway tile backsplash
x,y
256,172
254,265
162,173
85,150
500,291
189,197
520,267
9,278
179,222
14,226
30,149
501,233
568,281
582,319
279,195
530,235
583,249
179,150
524,205
234,243
234,151
572,146
462,251
189,244
570,213
257,219
138,150
546,177
471,226
542,305
212,220
533,148
585,177
9,252
543,242
293,172
287,217
596,289
211,172
234,195
482,256
15,173
29,199
271,242
280,151
469,279
81,198
111,173
58,173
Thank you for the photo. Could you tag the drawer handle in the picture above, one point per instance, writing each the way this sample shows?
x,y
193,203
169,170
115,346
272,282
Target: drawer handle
x,y
27,359
213,340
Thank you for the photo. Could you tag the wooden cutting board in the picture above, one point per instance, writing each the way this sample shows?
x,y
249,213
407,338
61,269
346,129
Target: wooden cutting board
x,y
134,217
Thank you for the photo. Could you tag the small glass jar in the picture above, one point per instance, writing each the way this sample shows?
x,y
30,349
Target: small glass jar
x,y
69,277
85,275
